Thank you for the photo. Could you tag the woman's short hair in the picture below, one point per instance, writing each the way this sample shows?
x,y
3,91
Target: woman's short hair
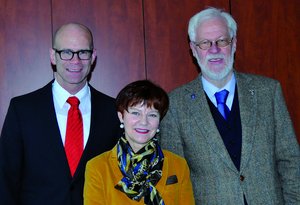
x,y
145,92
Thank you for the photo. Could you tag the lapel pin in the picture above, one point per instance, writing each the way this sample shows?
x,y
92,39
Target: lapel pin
x,y
251,91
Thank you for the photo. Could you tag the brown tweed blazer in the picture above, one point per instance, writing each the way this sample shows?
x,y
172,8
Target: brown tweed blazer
x,y
270,159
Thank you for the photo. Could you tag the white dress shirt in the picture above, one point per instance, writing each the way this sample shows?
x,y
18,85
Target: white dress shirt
x,y
211,89
60,96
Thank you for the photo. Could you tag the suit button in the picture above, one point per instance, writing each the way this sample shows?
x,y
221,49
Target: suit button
x,y
242,178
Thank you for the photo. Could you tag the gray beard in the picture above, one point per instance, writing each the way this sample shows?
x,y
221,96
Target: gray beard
x,y
217,76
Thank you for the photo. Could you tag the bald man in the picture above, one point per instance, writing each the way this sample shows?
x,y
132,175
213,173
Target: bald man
x,y
34,166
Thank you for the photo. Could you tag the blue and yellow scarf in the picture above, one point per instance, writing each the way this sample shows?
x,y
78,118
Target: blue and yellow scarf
x,y
141,171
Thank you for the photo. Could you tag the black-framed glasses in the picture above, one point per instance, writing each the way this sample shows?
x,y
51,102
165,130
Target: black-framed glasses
x,y
68,54
206,44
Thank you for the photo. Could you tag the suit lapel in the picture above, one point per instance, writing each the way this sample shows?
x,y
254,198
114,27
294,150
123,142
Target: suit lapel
x,y
100,137
161,185
206,127
51,138
248,113
200,112
113,163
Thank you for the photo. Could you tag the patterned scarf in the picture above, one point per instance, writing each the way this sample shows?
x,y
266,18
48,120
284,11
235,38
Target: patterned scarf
x,y
141,171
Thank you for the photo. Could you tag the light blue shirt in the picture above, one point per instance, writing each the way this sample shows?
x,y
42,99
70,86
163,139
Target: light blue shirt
x,y
60,96
211,89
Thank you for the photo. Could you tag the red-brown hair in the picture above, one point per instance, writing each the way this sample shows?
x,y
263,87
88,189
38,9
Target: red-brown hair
x,y
146,92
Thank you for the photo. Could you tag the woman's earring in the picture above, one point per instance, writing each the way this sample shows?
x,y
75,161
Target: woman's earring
x,y
157,131
121,125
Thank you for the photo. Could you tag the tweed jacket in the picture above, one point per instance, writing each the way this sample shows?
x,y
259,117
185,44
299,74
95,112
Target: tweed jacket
x,y
103,173
33,165
270,156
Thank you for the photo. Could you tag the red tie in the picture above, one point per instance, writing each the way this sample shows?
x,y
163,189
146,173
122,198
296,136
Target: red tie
x,y
74,134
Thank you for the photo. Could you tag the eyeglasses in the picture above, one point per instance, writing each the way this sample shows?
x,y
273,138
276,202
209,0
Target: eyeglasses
x,y
68,54
206,44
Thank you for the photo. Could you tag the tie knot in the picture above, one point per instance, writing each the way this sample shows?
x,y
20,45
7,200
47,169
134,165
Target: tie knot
x,y
221,96
73,101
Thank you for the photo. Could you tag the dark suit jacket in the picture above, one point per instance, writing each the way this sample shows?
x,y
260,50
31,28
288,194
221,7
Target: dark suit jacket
x,y
270,159
33,165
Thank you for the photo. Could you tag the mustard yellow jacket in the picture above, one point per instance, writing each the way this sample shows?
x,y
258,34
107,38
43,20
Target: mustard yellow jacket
x,y
102,174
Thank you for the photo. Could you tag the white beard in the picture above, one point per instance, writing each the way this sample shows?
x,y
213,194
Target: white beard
x,y
216,76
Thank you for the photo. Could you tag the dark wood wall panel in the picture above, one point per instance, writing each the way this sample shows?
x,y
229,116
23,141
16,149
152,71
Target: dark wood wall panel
x,y
268,44
25,36
138,39
168,58
118,33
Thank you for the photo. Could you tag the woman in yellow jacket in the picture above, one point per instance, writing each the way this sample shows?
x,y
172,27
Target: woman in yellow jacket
x,y
137,170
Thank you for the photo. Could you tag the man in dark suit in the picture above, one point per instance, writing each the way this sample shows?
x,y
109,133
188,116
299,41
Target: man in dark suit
x,y
34,167
240,150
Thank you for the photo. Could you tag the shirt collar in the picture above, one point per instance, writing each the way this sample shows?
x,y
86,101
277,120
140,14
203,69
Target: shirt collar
x,y
61,95
211,89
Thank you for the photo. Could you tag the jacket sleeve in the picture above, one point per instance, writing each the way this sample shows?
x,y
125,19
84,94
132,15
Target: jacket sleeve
x,y
11,158
287,150
170,131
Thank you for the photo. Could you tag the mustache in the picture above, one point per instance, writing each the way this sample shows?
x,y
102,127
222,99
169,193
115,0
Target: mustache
x,y
212,56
